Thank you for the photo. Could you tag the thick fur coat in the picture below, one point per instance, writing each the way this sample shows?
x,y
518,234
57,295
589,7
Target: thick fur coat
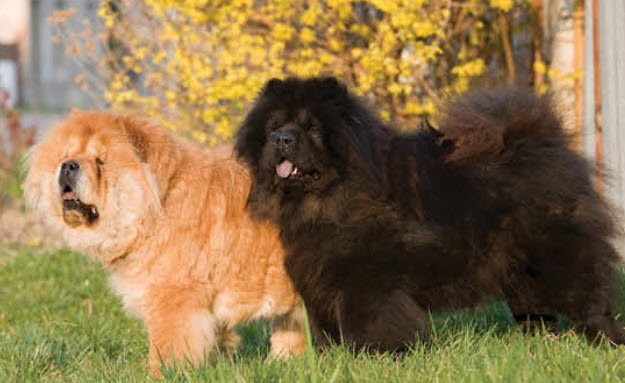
x,y
381,226
168,220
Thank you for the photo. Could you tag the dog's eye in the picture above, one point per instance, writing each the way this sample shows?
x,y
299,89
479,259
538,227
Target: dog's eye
x,y
314,131
99,162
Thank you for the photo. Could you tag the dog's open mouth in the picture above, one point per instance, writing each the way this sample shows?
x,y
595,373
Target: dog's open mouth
x,y
76,212
287,170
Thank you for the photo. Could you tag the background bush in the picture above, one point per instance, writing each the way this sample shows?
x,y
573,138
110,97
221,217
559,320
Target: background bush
x,y
197,64
15,138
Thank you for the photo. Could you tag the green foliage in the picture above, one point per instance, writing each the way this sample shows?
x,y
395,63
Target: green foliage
x,y
15,139
14,179
59,322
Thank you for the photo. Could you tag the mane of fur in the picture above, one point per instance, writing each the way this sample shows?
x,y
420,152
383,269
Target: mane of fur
x,y
493,204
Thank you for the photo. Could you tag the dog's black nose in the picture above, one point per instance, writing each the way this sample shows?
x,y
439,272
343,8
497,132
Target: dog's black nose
x,y
67,176
69,167
284,140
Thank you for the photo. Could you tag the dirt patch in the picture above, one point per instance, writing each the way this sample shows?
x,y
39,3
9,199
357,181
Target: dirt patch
x,y
23,227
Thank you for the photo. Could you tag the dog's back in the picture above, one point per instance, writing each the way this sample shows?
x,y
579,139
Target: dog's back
x,y
513,209
510,193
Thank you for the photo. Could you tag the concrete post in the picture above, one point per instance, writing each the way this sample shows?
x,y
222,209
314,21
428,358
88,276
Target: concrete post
x,y
612,58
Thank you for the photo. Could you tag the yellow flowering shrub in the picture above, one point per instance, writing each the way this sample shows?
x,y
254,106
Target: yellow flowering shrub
x,y
197,64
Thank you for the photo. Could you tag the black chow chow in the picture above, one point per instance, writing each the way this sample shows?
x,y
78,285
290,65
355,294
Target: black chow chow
x,y
382,226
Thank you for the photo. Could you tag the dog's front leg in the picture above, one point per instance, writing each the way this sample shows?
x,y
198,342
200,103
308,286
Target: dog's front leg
x,y
181,330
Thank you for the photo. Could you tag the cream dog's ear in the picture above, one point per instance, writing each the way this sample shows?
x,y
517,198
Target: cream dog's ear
x,y
153,194
134,130
155,148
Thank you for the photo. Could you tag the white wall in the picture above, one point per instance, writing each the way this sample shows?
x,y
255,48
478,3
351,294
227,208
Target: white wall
x,y
8,80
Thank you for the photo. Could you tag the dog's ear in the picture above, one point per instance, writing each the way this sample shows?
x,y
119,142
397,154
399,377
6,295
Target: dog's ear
x,y
271,86
331,88
131,127
425,125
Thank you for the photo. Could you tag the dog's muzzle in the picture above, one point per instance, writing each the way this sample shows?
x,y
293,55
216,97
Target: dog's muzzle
x,y
67,176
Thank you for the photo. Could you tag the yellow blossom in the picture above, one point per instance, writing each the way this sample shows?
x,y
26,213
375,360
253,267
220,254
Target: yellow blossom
x,y
197,65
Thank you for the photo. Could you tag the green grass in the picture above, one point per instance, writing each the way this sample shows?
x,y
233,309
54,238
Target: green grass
x,y
59,322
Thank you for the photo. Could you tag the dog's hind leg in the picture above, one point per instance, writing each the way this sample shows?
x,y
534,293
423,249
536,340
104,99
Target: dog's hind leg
x,y
575,276
528,313
288,334
602,324
228,341
590,306
382,322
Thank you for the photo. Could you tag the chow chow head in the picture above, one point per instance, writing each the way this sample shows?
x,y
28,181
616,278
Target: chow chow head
x,y
89,177
305,138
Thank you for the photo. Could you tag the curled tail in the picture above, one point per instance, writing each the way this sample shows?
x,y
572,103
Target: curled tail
x,y
483,123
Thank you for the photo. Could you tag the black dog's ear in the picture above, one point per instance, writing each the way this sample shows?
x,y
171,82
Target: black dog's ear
x,y
271,86
331,88
445,144
426,126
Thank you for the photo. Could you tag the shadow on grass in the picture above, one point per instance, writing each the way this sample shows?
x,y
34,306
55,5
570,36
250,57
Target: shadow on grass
x,y
47,330
494,319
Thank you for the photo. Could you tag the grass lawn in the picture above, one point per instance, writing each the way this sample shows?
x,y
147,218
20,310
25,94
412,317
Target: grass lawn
x,y
59,322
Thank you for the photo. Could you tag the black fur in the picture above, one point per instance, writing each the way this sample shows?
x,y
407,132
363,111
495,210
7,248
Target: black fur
x,y
382,226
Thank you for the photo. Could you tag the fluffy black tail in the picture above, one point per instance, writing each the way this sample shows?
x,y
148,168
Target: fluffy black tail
x,y
483,123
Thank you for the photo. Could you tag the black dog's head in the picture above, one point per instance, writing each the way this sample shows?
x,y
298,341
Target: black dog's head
x,y
304,137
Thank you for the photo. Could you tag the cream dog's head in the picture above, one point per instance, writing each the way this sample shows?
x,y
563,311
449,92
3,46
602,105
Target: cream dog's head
x,y
90,177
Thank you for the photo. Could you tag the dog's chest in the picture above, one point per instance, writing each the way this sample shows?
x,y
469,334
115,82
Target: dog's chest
x,y
131,293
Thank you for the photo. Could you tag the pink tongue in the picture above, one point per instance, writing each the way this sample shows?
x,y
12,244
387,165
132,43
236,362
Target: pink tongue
x,y
69,196
284,168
